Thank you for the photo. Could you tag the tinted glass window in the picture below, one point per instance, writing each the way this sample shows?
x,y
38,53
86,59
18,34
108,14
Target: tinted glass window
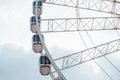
x,y
47,61
33,19
39,3
34,3
44,60
36,38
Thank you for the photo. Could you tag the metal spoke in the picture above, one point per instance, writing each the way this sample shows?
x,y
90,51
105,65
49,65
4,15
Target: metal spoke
x,y
106,49
104,6
80,24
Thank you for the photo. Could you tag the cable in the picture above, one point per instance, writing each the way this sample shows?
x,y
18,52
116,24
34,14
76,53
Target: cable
x,y
118,33
103,70
112,64
101,53
94,60
77,12
44,46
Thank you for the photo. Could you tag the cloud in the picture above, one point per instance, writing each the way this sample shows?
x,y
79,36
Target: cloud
x,y
17,64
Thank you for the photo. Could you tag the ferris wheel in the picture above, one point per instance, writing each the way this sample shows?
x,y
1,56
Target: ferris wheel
x,y
48,65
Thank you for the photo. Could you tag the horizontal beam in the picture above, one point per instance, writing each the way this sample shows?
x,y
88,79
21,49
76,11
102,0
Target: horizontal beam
x,y
105,6
113,1
80,24
88,54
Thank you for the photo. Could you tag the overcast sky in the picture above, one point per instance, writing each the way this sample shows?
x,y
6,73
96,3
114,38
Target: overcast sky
x,y
19,62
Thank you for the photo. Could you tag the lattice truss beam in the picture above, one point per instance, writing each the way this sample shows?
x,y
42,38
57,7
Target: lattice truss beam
x,y
114,1
107,6
80,24
88,54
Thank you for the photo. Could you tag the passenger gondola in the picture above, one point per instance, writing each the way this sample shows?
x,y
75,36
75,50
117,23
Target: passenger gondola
x,y
33,24
45,65
39,4
37,45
